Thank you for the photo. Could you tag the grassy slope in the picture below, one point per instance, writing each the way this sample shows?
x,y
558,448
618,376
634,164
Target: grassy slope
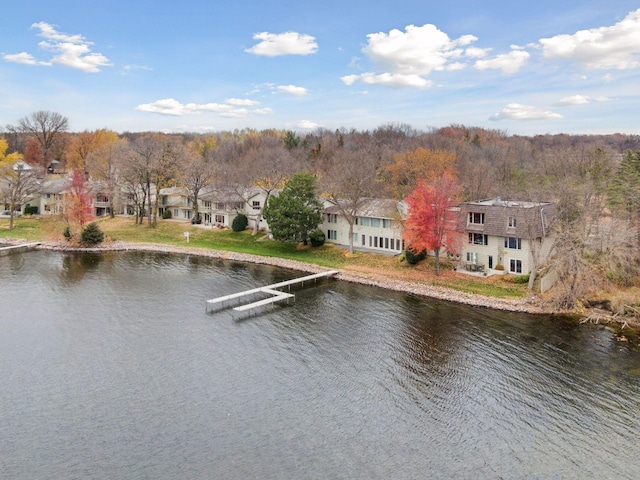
x,y
171,233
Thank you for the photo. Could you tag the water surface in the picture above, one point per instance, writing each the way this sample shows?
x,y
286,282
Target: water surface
x,y
110,368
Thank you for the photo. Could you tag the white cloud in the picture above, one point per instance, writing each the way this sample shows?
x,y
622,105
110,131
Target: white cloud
x,y
24,58
507,62
416,51
388,79
308,125
292,90
69,50
516,111
241,102
288,43
580,100
615,47
170,106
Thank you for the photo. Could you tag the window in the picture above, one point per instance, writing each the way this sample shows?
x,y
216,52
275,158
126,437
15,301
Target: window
x,y
365,221
515,266
478,239
239,206
375,222
512,222
472,257
375,242
176,212
364,240
332,218
386,223
476,218
354,237
256,204
187,214
332,234
219,206
207,204
187,202
386,243
220,219
513,242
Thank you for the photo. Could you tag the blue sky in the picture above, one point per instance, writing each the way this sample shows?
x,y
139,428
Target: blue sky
x,y
521,67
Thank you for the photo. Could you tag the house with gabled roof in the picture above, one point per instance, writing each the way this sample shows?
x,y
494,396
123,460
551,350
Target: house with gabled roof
x,y
377,226
506,236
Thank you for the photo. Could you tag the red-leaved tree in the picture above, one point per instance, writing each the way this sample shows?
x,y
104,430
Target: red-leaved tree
x,y
77,204
431,224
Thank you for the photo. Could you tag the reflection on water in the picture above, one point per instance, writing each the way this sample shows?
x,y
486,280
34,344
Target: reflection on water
x,y
111,368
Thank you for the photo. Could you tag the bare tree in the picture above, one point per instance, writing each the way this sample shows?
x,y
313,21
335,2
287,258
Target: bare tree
x,y
348,183
47,128
199,169
104,164
18,181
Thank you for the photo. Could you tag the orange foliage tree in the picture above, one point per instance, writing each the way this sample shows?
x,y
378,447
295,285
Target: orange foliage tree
x,y
417,165
77,209
431,224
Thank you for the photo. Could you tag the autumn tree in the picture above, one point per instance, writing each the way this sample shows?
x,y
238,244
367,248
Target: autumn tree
x,y
18,180
411,167
295,211
83,144
165,170
77,209
348,183
431,224
47,128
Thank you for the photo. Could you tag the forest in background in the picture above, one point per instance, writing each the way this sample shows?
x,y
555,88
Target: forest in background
x,y
594,179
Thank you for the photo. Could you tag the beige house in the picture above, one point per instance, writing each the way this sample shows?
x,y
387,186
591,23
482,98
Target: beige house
x,y
377,226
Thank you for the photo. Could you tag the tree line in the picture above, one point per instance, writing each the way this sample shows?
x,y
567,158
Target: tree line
x,y
595,179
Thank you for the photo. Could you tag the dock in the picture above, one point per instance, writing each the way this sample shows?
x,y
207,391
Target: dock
x,y
17,248
272,290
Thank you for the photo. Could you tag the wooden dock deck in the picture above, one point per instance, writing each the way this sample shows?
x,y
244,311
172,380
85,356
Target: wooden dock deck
x,y
17,248
276,295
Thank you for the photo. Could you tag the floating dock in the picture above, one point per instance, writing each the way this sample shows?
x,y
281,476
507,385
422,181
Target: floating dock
x,y
276,295
17,248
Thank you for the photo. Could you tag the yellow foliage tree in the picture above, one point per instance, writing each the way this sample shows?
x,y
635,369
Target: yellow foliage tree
x,y
417,165
85,143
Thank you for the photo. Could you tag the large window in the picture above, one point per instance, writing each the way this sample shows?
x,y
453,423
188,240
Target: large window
x,y
332,234
515,266
220,219
332,218
386,223
375,222
476,218
365,221
513,242
478,239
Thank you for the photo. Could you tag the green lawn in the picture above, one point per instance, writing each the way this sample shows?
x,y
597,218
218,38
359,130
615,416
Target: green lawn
x,y
172,233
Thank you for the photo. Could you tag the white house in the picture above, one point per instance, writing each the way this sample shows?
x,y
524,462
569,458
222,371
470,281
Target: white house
x,y
504,236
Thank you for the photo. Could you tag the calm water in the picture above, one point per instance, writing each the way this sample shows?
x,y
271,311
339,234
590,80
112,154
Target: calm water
x,y
110,368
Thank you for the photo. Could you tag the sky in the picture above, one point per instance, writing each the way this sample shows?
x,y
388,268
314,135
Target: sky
x,y
201,66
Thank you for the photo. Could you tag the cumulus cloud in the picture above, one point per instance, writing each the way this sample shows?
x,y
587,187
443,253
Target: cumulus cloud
x,y
308,125
171,106
24,58
613,47
68,50
288,43
517,111
292,90
406,58
507,62
579,100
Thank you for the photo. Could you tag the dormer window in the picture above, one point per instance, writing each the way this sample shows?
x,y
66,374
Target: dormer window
x,y
476,218
512,222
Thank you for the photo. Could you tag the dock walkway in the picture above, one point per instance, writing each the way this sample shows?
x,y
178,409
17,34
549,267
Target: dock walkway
x,y
276,295
17,248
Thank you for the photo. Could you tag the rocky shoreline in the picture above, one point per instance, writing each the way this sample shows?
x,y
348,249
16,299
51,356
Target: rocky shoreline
x,y
440,293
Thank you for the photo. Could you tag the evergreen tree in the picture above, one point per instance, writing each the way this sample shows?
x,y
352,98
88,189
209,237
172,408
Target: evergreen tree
x,y
624,193
296,211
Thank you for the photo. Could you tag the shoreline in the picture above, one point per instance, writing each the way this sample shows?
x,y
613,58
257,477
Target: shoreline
x,y
422,290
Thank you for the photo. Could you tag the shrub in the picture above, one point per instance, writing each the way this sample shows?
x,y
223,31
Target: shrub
x,y
31,210
66,233
92,235
239,223
166,214
521,279
412,257
316,237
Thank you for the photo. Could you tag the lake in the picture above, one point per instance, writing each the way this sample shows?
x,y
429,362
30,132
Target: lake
x,y
111,368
